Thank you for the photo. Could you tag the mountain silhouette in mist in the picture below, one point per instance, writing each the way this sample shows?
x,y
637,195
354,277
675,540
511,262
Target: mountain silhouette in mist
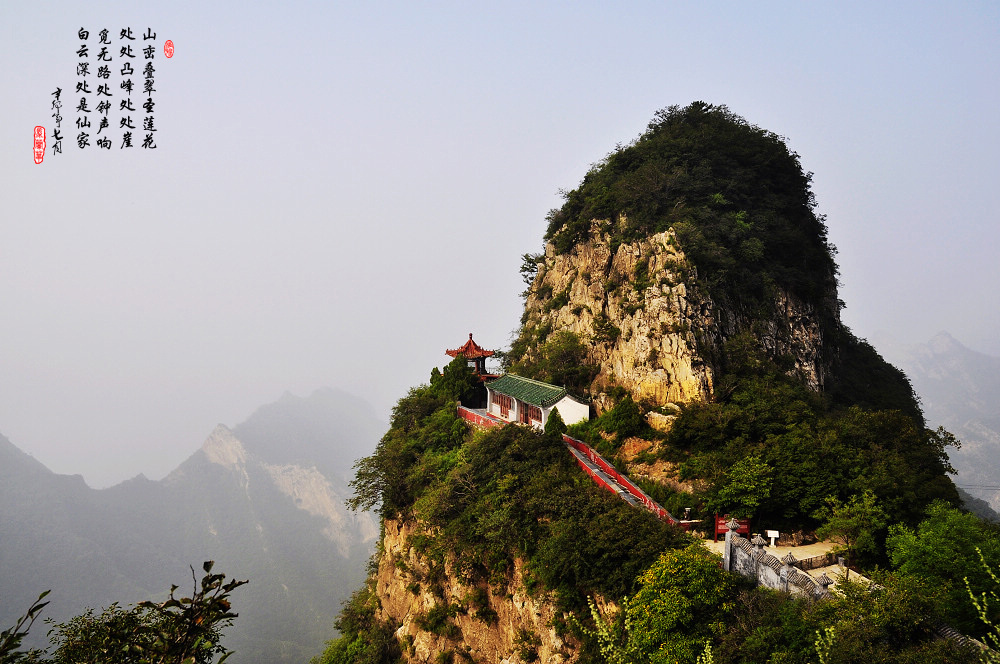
x,y
960,390
265,500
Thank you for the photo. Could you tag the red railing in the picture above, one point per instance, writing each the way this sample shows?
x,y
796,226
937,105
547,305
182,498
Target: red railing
x,y
623,482
475,418
599,477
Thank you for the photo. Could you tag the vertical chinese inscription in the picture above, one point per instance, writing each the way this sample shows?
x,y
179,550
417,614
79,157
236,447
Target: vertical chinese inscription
x,y
105,70
83,89
148,71
103,94
125,106
57,115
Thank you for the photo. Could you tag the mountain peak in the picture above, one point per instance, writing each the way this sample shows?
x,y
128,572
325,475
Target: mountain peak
x,y
942,342
224,448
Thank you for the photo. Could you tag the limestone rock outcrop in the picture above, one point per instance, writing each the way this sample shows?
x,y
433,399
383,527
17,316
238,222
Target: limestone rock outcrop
x,y
479,622
648,324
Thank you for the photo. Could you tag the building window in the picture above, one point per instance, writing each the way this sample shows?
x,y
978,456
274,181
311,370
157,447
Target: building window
x,y
504,402
534,413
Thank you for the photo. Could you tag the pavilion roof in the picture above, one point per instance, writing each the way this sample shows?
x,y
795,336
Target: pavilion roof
x,y
471,350
527,390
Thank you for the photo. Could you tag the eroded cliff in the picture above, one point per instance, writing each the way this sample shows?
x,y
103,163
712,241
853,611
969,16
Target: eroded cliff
x,y
648,324
437,612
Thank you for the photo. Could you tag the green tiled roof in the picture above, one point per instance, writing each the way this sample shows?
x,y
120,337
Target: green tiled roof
x,y
529,391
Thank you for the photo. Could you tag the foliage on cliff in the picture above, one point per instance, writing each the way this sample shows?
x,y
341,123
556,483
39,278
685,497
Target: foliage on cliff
x,y
363,638
490,497
686,606
805,449
486,498
561,359
736,196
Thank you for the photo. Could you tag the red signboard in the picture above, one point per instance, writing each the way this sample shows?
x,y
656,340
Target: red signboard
x,y
722,527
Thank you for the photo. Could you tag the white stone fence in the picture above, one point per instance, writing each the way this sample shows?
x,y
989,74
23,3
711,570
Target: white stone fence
x,y
748,557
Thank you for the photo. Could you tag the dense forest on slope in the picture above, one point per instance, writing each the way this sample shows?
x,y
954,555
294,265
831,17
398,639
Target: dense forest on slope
x,y
510,492
484,498
773,451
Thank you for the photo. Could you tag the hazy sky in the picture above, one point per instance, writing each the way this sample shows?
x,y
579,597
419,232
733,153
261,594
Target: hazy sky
x,y
340,191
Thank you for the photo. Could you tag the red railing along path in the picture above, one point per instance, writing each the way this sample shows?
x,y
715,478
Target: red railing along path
x,y
605,474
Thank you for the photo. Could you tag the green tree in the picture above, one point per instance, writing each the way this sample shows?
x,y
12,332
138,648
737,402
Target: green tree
x,y
116,634
458,382
987,606
185,630
747,487
855,524
387,476
625,419
190,628
682,603
11,638
529,269
561,359
554,425
363,638
888,622
564,362
944,549
900,461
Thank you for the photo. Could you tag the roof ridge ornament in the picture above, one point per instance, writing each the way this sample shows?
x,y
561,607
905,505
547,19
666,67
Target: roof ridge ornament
x,y
470,350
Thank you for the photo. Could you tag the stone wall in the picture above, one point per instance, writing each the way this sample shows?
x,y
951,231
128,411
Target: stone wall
x,y
742,557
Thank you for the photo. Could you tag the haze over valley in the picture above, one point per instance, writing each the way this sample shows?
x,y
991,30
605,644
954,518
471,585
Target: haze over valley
x,y
264,499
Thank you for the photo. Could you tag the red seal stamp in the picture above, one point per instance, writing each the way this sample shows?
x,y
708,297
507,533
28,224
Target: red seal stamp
x,y
39,144
168,48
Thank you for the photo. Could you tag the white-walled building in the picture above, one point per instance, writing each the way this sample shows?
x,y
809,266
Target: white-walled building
x,y
516,399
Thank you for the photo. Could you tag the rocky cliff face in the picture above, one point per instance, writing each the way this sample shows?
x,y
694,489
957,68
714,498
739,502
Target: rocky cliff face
x,y
309,490
437,612
650,328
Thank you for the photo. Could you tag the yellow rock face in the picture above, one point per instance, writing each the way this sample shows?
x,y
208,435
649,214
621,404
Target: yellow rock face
x,y
642,332
649,326
406,595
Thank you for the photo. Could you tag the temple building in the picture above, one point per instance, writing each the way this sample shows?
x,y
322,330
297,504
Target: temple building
x,y
474,354
517,399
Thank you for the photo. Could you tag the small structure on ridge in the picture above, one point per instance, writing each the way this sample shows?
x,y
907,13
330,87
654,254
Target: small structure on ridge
x,y
514,398
474,354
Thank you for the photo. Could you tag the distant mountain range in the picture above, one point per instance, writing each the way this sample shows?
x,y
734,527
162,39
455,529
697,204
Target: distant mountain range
x,y
960,390
265,500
